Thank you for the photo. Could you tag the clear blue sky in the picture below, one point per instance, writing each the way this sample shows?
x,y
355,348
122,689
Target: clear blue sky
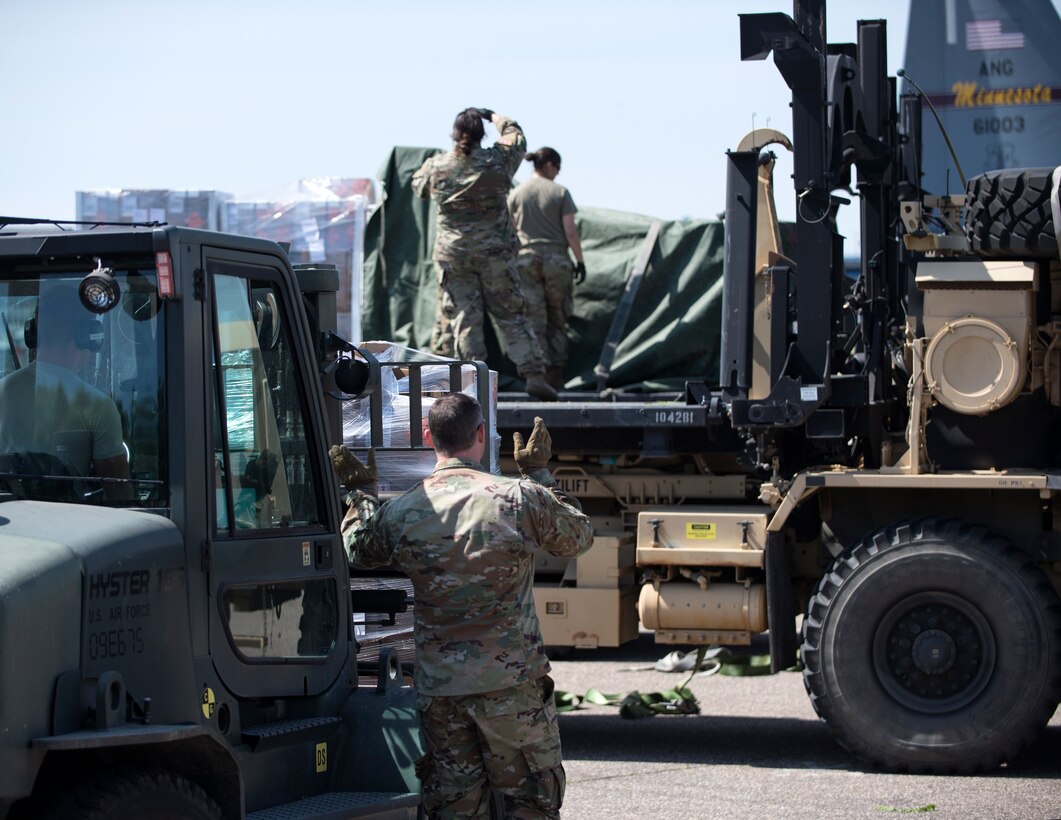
x,y
641,98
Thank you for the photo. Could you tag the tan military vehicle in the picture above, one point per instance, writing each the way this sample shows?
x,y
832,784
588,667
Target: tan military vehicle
x,y
877,465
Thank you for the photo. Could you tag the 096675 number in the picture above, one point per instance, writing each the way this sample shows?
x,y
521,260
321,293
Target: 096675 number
x,y
114,643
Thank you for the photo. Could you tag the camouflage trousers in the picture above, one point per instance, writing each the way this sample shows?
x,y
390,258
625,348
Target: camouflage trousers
x,y
506,741
442,333
480,285
545,273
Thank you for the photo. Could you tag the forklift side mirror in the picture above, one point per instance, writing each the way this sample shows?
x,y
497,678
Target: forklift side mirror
x,y
351,376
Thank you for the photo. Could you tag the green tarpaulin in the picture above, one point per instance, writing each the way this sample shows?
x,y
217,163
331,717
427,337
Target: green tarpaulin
x,y
671,334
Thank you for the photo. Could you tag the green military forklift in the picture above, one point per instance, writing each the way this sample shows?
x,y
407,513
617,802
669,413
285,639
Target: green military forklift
x,y
176,616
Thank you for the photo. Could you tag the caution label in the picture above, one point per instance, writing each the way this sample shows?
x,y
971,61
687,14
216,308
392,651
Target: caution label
x,y
700,532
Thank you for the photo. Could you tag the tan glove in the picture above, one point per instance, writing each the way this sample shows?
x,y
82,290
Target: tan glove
x,y
539,448
351,472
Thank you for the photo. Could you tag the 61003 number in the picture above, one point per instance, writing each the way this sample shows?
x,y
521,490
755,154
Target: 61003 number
x,y
998,125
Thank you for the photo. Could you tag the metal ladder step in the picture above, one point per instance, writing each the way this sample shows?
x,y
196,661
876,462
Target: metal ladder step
x,y
339,805
272,735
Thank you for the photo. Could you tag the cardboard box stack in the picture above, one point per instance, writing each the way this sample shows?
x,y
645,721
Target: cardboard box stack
x,y
322,219
186,209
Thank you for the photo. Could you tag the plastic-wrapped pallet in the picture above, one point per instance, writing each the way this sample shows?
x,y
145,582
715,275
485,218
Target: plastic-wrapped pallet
x,y
399,466
372,636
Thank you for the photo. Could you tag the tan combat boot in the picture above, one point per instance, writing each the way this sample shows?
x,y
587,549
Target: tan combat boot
x,y
539,388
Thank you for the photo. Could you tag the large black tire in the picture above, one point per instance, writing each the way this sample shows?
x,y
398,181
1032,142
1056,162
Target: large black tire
x,y
933,646
145,795
1007,213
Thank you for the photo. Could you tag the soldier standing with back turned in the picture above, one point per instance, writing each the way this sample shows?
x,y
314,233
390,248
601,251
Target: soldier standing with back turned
x,y
544,215
466,539
475,243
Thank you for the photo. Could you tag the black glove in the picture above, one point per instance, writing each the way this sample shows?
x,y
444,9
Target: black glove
x,y
579,274
485,113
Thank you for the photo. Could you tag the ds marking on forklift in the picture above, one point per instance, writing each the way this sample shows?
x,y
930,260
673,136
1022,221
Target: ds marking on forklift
x,y
322,757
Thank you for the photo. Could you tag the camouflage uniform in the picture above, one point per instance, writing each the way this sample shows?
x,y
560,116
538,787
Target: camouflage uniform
x,y
475,246
466,539
545,272
442,333
538,209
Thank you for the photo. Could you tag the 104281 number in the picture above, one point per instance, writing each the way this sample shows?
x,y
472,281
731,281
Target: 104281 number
x,y
674,417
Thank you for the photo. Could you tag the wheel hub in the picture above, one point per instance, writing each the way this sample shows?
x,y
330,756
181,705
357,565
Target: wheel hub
x,y
934,652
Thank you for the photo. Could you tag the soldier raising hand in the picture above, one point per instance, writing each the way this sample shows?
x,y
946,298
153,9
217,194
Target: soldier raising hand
x,y
467,539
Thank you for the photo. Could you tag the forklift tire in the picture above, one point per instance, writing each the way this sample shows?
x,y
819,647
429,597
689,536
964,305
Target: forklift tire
x,y
933,646
145,795
1008,213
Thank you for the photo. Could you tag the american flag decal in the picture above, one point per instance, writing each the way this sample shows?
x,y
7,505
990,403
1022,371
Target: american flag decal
x,y
990,35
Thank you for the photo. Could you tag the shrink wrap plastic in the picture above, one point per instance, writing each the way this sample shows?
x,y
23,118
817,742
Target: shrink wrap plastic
x,y
371,637
320,219
400,468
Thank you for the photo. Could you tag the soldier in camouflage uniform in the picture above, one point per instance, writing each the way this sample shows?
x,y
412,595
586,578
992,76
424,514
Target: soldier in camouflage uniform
x,y
544,215
466,539
475,243
442,333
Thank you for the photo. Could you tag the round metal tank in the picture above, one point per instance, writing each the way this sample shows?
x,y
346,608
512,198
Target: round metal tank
x,y
974,366
722,606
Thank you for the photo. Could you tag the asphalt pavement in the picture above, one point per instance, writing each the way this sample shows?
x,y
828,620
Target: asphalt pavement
x,y
757,750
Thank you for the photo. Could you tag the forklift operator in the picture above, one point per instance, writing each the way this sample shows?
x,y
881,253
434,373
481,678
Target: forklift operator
x,y
47,409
